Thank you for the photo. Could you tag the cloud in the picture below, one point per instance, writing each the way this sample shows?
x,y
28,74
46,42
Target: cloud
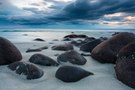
x,y
76,12
94,9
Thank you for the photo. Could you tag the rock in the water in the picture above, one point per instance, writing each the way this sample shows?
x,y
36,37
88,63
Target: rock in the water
x,y
36,49
73,57
89,46
63,47
71,73
8,52
75,36
39,39
125,65
106,52
29,70
43,60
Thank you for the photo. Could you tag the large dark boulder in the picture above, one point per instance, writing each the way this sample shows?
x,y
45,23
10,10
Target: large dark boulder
x,y
43,60
29,70
89,46
8,52
63,47
106,52
72,57
125,65
71,73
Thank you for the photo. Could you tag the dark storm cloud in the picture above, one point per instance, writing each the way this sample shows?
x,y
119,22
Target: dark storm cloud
x,y
75,12
92,10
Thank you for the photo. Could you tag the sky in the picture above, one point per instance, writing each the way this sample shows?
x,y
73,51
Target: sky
x,y
74,14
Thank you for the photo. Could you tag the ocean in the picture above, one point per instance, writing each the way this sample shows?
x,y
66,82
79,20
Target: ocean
x,y
27,35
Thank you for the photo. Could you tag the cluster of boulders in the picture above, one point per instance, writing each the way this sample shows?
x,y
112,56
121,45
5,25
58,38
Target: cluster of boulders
x,y
11,56
119,50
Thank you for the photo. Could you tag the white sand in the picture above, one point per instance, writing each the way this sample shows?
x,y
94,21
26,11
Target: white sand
x,y
103,79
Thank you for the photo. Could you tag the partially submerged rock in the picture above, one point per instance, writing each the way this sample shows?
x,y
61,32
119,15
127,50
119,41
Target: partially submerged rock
x,y
39,39
71,73
63,47
43,60
106,52
72,57
29,70
8,52
125,65
36,49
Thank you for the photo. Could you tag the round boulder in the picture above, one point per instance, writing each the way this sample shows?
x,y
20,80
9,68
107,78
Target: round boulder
x,y
43,60
73,57
63,47
125,65
29,70
71,73
89,46
106,52
8,52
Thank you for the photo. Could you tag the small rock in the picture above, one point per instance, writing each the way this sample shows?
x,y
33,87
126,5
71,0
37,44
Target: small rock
x,y
37,49
39,39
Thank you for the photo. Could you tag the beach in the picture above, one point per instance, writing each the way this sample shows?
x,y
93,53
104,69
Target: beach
x,y
104,77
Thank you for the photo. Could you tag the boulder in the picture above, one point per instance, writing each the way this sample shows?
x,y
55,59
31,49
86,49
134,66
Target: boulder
x,y
89,46
63,47
71,73
106,52
125,65
72,57
42,60
29,70
8,52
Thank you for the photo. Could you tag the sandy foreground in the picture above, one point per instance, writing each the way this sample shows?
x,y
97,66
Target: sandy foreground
x,y
104,77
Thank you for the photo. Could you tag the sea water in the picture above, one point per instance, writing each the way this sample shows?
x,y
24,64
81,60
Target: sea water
x,y
28,35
